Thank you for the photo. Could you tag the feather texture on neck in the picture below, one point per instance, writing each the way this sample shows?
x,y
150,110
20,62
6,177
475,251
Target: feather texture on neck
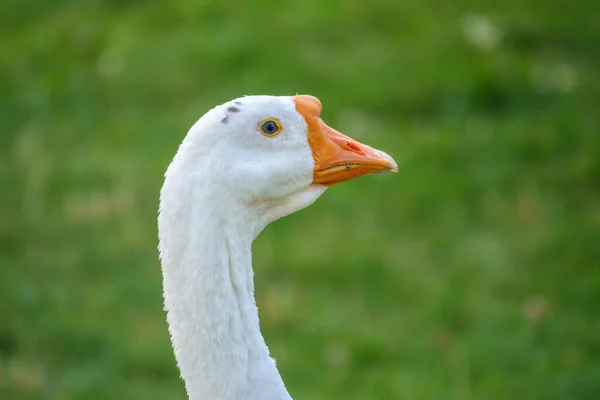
x,y
205,246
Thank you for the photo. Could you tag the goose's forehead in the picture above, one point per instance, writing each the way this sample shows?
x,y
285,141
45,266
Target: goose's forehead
x,y
261,105
248,112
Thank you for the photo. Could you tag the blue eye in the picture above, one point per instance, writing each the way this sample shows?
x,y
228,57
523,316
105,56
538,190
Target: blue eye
x,y
270,127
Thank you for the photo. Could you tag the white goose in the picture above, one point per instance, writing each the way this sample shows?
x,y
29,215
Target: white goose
x,y
243,165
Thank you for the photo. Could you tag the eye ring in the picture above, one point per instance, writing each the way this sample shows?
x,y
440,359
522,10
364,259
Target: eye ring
x,y
270,127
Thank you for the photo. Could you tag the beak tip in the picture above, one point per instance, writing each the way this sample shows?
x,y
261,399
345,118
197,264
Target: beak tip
x,y
392,164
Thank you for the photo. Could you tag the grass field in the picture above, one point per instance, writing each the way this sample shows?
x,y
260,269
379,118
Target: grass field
x,y
472,274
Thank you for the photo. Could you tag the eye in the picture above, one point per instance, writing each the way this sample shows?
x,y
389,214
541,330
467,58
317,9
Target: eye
x,y
270,127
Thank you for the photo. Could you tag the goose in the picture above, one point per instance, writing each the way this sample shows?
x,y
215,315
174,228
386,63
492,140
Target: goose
x,y
242,165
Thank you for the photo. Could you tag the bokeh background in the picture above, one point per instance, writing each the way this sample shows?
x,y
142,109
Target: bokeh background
x,y
473,273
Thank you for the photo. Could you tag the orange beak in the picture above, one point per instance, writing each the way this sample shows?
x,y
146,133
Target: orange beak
x,y
338,158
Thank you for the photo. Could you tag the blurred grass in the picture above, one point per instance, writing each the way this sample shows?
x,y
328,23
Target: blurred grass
x,y
472,274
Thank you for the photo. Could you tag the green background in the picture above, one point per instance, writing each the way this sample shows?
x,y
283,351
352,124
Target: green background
x,y
473,273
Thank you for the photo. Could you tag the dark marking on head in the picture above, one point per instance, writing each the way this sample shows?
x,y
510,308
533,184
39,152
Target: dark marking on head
x,y
239,103
231,109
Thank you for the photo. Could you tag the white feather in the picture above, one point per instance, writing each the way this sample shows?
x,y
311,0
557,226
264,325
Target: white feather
x,y
226,183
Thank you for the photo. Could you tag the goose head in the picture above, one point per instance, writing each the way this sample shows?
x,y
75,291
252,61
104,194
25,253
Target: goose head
x,y
273,154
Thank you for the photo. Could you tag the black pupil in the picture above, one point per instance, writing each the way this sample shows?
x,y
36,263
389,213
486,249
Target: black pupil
x,y
269,127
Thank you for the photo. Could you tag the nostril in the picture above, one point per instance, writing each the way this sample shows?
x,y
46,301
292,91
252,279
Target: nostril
x,y
354,147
